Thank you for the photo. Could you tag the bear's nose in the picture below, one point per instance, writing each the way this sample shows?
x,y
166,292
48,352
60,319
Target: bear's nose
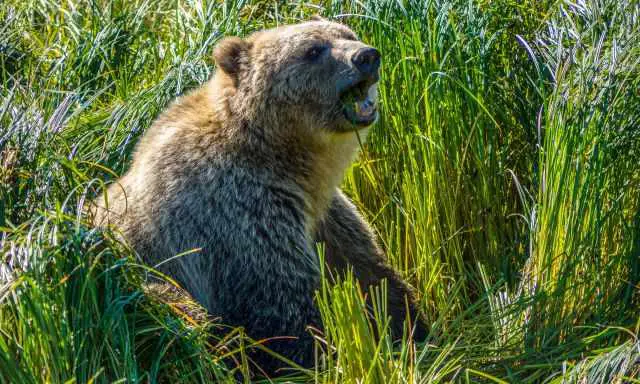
x,y
367,60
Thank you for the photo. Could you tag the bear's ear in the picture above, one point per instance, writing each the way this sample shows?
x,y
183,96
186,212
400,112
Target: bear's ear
x,y
318,18
230,54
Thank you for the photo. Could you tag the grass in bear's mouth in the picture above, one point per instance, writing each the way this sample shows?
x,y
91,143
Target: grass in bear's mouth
x,y
357,107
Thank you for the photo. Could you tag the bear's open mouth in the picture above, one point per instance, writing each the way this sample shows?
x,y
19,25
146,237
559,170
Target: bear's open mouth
x,y
359,104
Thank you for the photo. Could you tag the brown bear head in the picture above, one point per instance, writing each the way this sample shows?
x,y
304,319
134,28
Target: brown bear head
x,y
316,76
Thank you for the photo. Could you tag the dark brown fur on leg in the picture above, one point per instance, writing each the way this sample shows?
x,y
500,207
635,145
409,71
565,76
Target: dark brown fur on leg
x,y
350,242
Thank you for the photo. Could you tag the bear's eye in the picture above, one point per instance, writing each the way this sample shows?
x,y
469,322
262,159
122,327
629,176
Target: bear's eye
x,y
314,52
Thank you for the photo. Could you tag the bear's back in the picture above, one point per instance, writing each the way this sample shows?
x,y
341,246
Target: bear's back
x,y
199,207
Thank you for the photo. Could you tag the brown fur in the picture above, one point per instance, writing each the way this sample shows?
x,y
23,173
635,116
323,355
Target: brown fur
x,y
245,170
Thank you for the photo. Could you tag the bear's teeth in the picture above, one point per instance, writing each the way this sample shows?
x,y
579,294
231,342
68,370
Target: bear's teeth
x,y
364,108
372,93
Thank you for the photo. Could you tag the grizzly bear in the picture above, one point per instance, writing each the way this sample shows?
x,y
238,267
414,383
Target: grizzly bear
x,y
232,186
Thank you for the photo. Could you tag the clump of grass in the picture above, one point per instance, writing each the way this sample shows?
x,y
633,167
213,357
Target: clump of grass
x,y
358,347
436,173
582,271
614,365
77,312
527,191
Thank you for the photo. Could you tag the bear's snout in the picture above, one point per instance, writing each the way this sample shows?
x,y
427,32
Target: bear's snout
x,y
367,61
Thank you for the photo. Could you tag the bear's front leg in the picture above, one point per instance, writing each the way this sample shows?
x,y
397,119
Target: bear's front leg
x,y
267,285
350,242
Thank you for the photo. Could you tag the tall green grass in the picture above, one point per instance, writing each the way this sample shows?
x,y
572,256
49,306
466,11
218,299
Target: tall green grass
x,y
502,179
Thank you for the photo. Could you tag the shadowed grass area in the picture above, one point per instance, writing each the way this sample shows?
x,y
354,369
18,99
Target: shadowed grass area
x,y
502,178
